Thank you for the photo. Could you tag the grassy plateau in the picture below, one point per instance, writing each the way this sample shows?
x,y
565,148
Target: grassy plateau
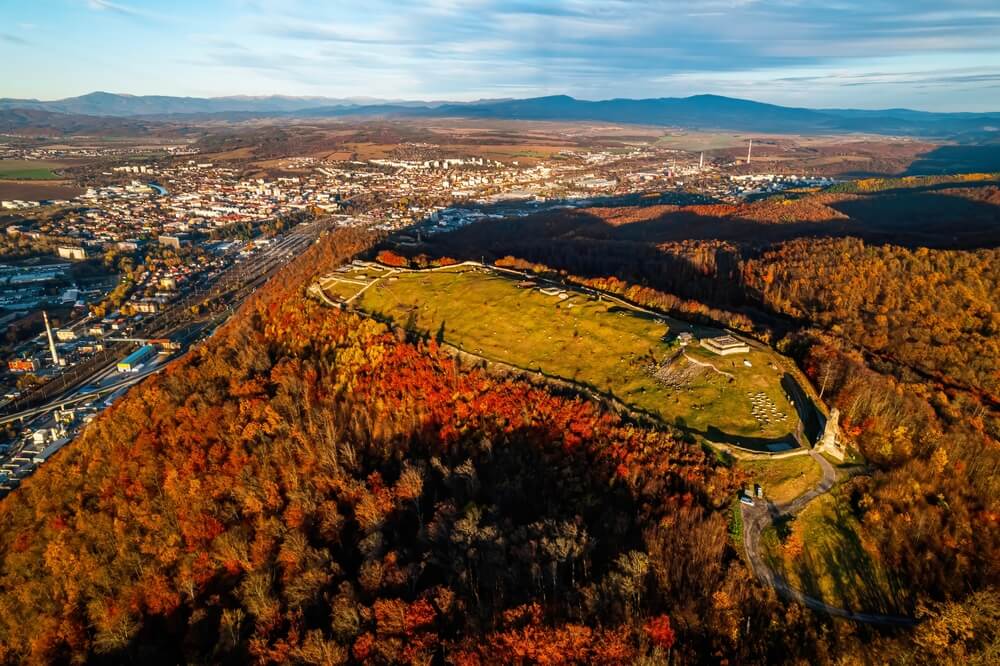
x,y
613,349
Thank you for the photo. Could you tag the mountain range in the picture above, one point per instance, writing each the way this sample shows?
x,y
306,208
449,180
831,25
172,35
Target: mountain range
x,y
695,112
113,104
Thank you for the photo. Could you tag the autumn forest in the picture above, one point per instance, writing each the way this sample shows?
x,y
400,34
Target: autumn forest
x,y
312,486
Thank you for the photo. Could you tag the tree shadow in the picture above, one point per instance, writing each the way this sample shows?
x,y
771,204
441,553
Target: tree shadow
x,y
713,434
957,159
856,581
937,219
783,526
808,412
655,252
690,254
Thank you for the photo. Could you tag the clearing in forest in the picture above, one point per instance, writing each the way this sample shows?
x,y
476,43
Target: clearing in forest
x,y
821,552
609,347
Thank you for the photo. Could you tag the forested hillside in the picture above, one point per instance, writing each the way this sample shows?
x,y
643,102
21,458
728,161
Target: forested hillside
x,y
903,340
935,311
308,486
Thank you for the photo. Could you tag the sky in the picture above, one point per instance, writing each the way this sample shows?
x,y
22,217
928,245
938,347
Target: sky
x,y
941,55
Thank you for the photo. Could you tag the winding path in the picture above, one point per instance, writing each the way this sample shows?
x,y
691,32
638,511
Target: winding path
x,y
756,518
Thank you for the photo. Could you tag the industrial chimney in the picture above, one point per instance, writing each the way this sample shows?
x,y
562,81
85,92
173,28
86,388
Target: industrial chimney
x,y
52,342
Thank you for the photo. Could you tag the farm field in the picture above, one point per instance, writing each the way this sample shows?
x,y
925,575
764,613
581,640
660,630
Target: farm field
x,y
35,190
615,350
821,553
28,170
701,140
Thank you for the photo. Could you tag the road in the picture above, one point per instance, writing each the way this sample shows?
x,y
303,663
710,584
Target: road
x,y
763,514
110,387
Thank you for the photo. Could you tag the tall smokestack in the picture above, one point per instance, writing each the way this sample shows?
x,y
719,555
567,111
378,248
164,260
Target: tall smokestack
x,y
52,342
749,148
701,161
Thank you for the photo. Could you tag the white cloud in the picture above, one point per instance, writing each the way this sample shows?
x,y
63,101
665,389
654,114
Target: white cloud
x,y
589,48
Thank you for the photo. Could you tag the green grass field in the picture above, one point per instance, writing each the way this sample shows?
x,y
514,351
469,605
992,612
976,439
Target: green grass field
x,y
28,174
695,141
833,563
27,170
605,346
783,479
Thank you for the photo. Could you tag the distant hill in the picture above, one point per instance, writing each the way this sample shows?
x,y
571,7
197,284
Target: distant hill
x,y
701,112
696,112
112,104
48,123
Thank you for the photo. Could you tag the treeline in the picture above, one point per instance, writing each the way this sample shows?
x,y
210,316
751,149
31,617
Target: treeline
x,y
705,271
932,311
645,296
870,185
310,487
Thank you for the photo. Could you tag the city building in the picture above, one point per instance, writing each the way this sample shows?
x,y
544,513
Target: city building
x,y
22,365
134,361
71,252
175,240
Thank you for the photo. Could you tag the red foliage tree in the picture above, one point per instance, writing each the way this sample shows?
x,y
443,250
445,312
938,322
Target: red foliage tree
x,y
660,632
390,258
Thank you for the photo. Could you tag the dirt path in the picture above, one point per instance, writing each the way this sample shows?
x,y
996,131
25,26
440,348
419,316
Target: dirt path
x,y
760,516
709,365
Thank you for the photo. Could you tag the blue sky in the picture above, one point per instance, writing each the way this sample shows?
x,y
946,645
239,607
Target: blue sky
x,y
940,55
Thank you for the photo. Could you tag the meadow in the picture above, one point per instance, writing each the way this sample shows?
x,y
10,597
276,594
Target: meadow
x,y
612,349
28,170
822,552
783,479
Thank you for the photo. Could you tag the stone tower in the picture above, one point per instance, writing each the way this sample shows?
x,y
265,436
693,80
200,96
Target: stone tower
x,y
830,442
